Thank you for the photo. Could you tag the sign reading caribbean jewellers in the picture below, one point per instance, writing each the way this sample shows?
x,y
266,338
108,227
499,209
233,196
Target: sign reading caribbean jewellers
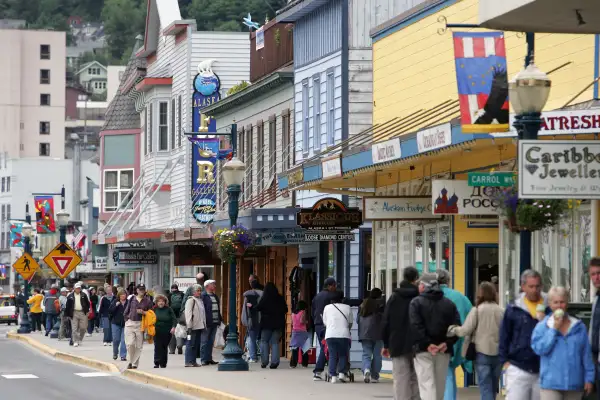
x,y
434,138
458,198
559,169
386,151
398,208
331,167
329,214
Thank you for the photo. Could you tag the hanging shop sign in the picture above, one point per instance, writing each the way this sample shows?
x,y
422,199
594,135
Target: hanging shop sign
x,y
206,93
434,138
559,169
329,214
495,179
204,183
398,208
100,263
332,167
330,237
455,197
279,238
568,122
295,177
386,151
135,257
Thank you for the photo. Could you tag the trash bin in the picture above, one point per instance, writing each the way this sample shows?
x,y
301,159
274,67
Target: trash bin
x,y
583,311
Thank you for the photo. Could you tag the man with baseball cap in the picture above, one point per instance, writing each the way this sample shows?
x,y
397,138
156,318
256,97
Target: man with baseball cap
x,y
322,299
77,309
212,310
136,307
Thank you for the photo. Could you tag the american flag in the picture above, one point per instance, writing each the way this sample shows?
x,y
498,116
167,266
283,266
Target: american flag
x,y
480,59
79,240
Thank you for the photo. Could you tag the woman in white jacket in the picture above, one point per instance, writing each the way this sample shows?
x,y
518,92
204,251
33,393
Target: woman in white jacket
x,y
337,318
195,320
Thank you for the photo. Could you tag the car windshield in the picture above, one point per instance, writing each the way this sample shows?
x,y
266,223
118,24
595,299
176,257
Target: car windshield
x,y
7,301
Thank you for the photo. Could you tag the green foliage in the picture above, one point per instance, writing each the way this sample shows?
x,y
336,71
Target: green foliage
x,y
238,88
227,15
123,21
539,214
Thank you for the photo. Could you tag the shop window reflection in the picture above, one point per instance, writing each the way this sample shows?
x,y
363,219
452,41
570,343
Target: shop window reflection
x,y
431,249
418,240
565,252
511,267
445,239
331,259
585,248
546,238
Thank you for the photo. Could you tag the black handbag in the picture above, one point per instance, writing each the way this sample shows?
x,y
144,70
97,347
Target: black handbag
x,y
471,353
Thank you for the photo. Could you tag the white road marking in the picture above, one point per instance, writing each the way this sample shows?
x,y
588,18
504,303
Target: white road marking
x,y
92,374
20,376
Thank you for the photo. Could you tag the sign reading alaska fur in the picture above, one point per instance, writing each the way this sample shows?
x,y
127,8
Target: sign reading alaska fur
x,y
329,214
559,169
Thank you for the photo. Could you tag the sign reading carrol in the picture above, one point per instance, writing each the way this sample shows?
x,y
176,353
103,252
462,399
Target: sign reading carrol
x,y
559,169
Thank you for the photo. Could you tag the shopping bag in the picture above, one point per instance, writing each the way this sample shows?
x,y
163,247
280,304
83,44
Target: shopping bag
x,y
220,337
181,331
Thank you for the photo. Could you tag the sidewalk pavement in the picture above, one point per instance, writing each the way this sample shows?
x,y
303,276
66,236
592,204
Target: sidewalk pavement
x,y
258,383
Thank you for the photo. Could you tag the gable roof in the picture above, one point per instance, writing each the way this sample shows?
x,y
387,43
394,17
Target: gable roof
x,y
121,113
160,14
88,65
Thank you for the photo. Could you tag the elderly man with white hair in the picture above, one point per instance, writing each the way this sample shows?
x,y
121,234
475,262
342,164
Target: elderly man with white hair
x,y
212,308
561,340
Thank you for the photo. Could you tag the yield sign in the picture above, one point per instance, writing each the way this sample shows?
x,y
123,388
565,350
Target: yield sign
x,y
62,260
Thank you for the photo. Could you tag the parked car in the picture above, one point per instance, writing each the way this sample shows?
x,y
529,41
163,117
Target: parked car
x,y
8,309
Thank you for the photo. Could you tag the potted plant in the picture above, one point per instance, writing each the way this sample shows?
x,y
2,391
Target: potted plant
x,y
528,215
232,242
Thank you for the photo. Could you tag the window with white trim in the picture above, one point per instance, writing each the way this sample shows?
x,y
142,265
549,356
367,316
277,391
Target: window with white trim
x,y
117,184
272,145
316,113
163,126
179,123
330,107
305,116
172,124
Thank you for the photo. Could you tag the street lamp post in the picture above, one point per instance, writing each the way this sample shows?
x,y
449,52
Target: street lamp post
x,y
62,217
528,93
233,174
26,230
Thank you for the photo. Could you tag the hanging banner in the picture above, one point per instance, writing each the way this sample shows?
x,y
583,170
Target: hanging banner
x,y
260,38
16,234
451,197
206,92
480,59
204,183
44,214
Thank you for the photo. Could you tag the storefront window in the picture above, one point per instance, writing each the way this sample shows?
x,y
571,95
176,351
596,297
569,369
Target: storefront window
x,y
431,249
509,273
565,252
445,244
418,246
546,258
331,259
392,256
585,248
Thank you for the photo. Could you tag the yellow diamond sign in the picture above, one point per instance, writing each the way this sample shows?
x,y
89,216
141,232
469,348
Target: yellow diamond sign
x,y
62,260
26,266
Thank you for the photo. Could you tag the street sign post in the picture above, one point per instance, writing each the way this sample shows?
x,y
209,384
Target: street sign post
x,y
491,179
62,260
26,266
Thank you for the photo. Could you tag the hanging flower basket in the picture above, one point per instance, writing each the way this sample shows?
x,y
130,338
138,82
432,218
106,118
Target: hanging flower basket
x,y
233,242
528,215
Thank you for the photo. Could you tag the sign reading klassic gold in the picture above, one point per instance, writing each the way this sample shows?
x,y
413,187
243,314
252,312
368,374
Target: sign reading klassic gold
x,y
329,214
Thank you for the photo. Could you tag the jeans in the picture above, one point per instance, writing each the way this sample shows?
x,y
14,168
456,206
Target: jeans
x,y
252,343
50,321
118,340
269,339
192,346
208,341
371,356
320,365
91,325
488,375
106,330
451,389
339,349
36,321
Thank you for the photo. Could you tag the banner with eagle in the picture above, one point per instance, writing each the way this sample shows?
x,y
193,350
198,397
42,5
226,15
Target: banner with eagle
x,y
481,76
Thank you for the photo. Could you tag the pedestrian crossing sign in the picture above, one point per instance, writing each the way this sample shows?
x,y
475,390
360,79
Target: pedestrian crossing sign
x,y
26,266
62,260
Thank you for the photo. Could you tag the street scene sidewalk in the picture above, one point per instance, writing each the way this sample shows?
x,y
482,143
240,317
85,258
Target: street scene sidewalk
x,y
258,383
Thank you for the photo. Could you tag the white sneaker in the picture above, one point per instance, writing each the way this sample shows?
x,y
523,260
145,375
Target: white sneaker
x,y
251,361
342,377
318,376
105,344
334,379
88,334
76,345
367,376
373,380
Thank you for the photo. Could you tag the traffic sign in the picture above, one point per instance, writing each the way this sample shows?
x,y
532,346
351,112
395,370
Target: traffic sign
x,y
62,260
491,179
26,266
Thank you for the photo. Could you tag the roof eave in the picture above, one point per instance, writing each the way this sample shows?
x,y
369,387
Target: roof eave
x,y
298,9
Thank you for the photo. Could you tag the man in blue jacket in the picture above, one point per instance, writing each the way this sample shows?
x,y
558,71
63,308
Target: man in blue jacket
x,y
515,352
594,334
212,310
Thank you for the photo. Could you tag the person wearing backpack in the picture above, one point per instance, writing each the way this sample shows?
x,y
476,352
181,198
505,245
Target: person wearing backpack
x,y
251,318
176,301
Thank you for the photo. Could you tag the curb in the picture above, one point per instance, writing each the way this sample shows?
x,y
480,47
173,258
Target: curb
x,y
179,386
133,375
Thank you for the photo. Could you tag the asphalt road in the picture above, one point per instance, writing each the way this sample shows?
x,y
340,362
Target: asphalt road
x,y
28,375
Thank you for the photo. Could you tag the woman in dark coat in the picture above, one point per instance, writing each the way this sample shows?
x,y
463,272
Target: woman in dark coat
x,y
272,308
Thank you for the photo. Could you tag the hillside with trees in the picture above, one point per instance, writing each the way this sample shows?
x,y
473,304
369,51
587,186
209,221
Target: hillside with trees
x,y
124,19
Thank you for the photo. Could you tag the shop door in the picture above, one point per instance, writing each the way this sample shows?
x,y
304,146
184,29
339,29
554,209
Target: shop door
x,y
165,272
482,266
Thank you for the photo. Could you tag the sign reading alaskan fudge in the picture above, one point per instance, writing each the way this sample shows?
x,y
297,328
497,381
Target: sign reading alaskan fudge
x,y
329,214
559,169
